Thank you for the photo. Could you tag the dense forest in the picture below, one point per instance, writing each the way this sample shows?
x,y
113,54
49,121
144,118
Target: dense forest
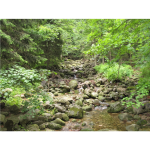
x,y
43,61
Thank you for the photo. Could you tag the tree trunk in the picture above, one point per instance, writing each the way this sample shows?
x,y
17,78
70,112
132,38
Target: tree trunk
x,y
110,55
103,60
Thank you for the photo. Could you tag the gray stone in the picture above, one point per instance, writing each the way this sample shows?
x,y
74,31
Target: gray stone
x,y
87,108
59,121
115,107
139,110
73,84
132,127
101,98
54,126
96,102
65,117
79,102
60,108
136,117
124,116
94,94
75,112
33,127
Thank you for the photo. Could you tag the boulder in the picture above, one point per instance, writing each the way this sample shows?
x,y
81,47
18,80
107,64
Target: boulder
x,y
47,117
96,102
73,84
139,110
94,94
87,92
52,125
60,108
101,98
59,121
141,122
58,115
75,112
47,105
65,117
132,127
124,116
147,106
115,107
14,118
87,108
33,127
79,102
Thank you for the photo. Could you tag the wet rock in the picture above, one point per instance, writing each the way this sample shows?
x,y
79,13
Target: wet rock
x,y
14,109
124,117
94,94
54,126
141,122
86,129
132,127
33,127
96,102
59,121
87,108
115,107
107,130
75,112
73,84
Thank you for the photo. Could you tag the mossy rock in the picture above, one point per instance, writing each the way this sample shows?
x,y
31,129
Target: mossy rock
x,y
129,109
87,108
59,121
136,117
33,127
115,107
65,117
75,112
79,102
54,126
141,122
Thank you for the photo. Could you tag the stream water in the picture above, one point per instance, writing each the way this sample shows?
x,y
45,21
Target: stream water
x,y
97,119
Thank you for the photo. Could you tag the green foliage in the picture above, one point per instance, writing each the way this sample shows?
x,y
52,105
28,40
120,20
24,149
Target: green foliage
x,y
111,71
14,97
21,77
101,68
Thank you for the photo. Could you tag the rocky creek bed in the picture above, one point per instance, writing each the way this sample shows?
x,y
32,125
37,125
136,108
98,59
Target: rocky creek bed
x,y
83,101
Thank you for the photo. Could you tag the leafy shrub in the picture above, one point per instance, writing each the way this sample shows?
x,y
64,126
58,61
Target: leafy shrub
x,y
111,71
101,68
